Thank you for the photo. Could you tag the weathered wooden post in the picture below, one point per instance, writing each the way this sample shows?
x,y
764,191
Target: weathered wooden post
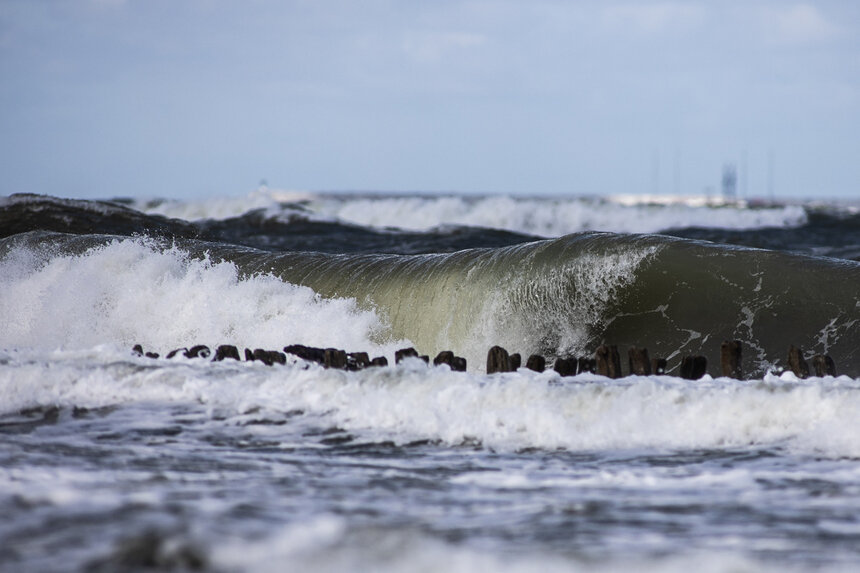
x,y
796,363
357,361
658,366
259,355
823,365
608,361
565,366
586,364
404,353
444,357
335,358
498,360
277,357
730,359
693,367
226,351
137,349
638,361
536,362
306,352
514,362
379,361
269,357
200,350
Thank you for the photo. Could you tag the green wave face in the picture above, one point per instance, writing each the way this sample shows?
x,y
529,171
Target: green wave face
x,y
566,296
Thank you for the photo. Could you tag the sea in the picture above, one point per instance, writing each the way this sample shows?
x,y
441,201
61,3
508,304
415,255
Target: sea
x,y
115,459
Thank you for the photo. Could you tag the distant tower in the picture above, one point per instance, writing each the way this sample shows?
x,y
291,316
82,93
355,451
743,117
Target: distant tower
x,y
730,181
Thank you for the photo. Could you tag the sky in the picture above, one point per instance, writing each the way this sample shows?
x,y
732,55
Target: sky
x,y
197,98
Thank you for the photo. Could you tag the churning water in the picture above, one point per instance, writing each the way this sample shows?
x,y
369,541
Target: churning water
x,y
112,461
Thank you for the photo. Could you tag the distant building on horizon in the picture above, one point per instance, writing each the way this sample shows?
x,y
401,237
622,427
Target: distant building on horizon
x,y
730,181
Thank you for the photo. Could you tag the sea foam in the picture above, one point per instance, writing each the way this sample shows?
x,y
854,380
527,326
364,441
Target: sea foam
x,y
550,217
328,544
540,216
508,412
133,291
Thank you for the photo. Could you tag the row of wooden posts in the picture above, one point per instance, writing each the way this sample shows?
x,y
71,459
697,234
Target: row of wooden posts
x,y
328,357
606,360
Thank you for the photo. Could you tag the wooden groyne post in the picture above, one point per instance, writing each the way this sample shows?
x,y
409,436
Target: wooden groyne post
x,y
498,360
823,365
608,361
536,362
796,363
730,359
456,363
693,367
638,361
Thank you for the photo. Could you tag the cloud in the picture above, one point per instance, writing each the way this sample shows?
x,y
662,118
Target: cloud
x,y
433,47
655,18
798,24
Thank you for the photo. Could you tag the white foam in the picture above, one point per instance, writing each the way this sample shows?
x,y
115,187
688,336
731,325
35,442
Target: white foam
x,y
131,292
819,416
541,216
325,543
218,208
580,287
551,217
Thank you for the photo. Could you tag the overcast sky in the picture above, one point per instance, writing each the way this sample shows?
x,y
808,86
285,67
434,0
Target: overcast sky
x,y
209,97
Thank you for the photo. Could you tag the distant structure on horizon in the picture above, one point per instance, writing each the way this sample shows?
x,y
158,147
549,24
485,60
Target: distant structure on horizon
x,y
730,181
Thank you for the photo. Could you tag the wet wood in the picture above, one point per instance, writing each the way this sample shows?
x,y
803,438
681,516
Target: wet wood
x,y
730,359
357,361
308,353
278,357
198,351
269,357
226,351
137,350
608,361
404,353
335,358
658,366
536,362
498,360
796,363
565,366
444,357
638,361
693,367
823,365
586,364
456,363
